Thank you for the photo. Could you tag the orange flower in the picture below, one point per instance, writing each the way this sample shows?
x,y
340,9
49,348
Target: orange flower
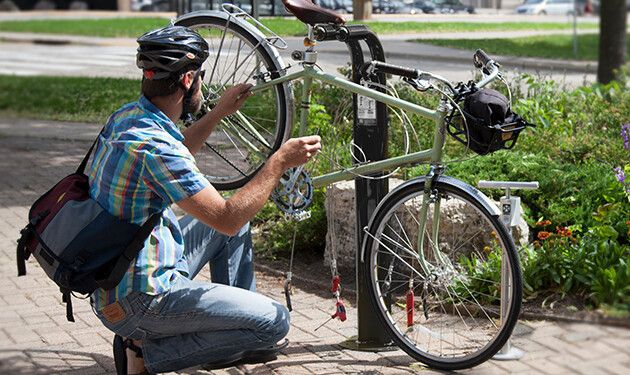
x,y
543,223
543,235
628,223
564,231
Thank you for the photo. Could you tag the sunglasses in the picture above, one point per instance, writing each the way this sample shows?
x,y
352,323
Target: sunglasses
x,y
201,73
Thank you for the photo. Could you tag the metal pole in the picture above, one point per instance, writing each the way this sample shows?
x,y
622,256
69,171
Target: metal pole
x,y
575,46
510,213
370,135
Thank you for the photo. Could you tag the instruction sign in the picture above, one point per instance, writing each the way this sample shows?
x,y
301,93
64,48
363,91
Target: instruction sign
x,y
366,110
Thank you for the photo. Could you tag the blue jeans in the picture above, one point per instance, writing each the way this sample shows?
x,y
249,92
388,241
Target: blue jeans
x,y
199,322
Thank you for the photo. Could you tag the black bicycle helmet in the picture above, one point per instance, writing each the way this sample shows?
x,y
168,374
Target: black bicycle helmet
x,y
169,50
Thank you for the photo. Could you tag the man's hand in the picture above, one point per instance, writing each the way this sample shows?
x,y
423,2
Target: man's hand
x,y
232,99
297,151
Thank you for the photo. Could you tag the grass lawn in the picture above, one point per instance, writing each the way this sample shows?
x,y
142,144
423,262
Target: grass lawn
x,y
133,27
65,98
551,46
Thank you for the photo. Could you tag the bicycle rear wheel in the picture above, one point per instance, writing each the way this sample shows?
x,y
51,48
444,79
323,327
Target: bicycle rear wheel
x,y
437,284
241,143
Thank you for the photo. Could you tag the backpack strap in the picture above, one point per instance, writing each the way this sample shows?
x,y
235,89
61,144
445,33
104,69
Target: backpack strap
x,y
25,236
130,253
66,297
83,164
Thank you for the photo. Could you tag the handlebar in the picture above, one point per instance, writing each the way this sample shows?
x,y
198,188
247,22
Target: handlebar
x,y
481,60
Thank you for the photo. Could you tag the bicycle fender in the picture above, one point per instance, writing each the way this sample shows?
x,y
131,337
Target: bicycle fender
x,y
487,203
273,51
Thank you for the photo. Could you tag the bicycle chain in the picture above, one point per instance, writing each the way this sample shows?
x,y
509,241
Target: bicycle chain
x,y
225,159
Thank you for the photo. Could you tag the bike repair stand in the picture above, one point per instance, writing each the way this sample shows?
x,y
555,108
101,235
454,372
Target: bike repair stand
x,y
510,216
370,137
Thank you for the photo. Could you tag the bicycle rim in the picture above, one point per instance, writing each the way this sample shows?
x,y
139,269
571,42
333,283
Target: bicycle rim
x,y
452,266
241,143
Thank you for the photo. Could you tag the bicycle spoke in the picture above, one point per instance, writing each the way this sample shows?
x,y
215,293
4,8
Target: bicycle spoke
x,y
242,142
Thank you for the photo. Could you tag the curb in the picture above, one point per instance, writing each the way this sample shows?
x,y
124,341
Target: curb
x,y
51,39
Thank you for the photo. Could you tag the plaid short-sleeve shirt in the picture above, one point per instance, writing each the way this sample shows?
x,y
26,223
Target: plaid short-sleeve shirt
x,y
140,167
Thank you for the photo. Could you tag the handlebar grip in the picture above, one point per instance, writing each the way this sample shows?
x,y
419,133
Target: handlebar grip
x,y
395,69
481,59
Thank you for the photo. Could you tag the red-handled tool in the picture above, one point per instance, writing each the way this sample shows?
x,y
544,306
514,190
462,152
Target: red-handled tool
x,y
340,313
410,308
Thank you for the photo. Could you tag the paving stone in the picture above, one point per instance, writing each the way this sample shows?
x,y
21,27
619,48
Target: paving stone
x,y
617,344
514,366
547,367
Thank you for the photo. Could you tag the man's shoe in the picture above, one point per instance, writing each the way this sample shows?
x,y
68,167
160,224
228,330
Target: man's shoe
x,y
120,355
248,357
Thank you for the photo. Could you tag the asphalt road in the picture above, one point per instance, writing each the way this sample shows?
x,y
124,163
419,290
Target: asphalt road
x,y
32,59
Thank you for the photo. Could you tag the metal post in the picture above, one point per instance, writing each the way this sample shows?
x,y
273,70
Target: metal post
x,y
510,215
255,11
370,135
575,46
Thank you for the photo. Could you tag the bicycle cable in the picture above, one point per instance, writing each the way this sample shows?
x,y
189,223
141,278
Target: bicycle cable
x,y
507,86
404,120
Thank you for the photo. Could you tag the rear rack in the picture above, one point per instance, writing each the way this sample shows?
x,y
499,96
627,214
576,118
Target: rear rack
x,y
273,38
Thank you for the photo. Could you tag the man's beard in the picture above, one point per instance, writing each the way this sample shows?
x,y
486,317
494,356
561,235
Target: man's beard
x,y
193,105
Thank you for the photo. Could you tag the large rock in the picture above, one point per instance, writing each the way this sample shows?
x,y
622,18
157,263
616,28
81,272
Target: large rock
x,y
342,224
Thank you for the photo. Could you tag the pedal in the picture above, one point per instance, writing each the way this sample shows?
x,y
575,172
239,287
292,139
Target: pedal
x,y
300,215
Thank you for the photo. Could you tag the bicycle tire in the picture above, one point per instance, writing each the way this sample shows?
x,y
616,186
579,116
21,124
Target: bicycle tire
x,y
454,320
233,153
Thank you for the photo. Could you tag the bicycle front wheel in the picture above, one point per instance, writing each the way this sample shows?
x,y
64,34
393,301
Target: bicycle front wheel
x,y
241,143
443,274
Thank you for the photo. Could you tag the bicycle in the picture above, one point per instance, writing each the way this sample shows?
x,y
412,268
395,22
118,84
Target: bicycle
x,y
429,239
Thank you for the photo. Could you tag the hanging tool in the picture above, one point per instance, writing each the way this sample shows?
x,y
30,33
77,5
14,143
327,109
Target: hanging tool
x,y
340,313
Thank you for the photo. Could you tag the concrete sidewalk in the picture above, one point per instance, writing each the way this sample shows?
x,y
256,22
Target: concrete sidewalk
x,y
35,337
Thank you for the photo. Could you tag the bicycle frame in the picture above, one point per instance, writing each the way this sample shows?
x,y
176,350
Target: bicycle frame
x,y
308,73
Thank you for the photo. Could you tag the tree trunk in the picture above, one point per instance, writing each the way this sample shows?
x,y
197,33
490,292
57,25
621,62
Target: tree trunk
x,y
362,9
612,39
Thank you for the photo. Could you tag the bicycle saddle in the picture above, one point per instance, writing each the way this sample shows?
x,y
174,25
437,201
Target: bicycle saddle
x,y
312,14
